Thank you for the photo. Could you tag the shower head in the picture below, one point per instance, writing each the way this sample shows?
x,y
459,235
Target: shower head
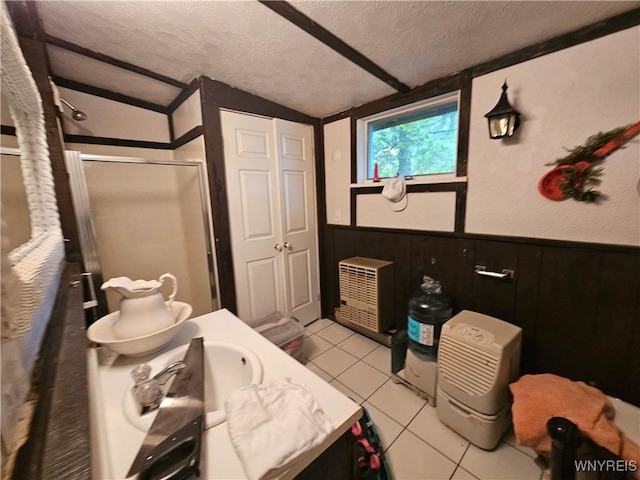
x,y
76,114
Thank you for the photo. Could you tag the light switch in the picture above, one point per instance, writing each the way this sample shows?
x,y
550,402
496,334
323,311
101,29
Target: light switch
x,y
337,215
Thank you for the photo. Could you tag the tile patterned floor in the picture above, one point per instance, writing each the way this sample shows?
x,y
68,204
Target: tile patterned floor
x,y
417,445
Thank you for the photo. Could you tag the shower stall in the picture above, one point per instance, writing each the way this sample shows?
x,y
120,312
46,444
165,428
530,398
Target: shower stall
x,y
141,218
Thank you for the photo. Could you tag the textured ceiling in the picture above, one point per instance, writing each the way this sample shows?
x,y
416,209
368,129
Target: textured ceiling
x,y
245,44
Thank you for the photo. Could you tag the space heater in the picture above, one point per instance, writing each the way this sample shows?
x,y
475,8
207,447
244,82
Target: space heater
x,y
477,359
366,293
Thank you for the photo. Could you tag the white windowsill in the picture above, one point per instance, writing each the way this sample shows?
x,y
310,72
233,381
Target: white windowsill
x,y
422,180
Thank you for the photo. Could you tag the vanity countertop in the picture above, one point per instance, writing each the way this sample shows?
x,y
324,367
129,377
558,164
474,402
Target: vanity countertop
x,y
115,442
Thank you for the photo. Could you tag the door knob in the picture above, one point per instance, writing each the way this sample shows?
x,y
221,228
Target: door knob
x,y
278,247
287,245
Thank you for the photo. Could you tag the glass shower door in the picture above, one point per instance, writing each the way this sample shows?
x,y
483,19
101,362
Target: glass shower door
x,y
140,218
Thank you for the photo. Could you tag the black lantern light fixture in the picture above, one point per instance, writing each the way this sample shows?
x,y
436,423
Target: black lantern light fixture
x,y
503,119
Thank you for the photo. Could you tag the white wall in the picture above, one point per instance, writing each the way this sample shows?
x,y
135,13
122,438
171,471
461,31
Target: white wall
x,y
5,113
8,141
564,98
108,118
425,211
115,151
337,171
192,151
187,116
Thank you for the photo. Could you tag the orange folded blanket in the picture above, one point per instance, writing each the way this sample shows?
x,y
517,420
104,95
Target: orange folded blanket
x,y
537,398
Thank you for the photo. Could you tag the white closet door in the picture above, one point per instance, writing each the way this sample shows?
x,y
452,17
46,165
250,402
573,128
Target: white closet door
x,y
272,214
298,218
253,214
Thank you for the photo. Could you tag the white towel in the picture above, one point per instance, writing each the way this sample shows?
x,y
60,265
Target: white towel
x,y
271,424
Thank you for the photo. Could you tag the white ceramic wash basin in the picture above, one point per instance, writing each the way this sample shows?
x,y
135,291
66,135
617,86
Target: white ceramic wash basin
x,y
227,367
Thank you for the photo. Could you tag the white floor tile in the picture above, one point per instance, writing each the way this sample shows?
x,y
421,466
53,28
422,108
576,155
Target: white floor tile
x,y
503,463
347,391
397,401
388,429
358,345
380,358
314,346
412,459
362,379
627,418
319,324
429,428
462,474
334,361
510,438
318,371
335,333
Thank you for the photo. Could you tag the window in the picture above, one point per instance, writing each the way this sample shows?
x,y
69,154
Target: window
x,y
413,140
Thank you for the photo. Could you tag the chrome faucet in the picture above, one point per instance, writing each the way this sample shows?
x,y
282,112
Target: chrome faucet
x,y
148,391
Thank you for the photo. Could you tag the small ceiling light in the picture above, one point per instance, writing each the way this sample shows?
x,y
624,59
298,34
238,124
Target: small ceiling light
x,y
503,119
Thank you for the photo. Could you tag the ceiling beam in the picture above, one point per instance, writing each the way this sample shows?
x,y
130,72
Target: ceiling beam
x,y
299,19
72,47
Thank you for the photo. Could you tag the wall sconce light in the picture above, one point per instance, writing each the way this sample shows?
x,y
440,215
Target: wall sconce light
x,y
503,119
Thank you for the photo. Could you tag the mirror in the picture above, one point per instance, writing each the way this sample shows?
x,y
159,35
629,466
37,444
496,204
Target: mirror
x,y
35,263
32,254
15,207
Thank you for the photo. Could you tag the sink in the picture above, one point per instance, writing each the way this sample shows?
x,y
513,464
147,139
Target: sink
x,y
227,367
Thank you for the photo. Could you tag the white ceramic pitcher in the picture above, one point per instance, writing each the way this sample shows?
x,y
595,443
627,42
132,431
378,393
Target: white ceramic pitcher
x,y
143,309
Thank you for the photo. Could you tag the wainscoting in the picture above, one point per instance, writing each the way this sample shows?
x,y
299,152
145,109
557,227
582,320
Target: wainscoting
x,y
578,304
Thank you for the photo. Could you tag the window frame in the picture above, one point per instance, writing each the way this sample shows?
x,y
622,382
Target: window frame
x,y
362,137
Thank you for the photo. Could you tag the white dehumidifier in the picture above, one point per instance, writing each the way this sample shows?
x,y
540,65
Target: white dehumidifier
x,y
477,359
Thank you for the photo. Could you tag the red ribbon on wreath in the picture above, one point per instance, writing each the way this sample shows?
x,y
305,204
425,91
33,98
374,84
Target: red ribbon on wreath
x,y
569,178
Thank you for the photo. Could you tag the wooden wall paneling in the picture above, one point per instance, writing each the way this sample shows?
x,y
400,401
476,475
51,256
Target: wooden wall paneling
x,y
440,261
526,300
403,275
493,296
631,390
569,279
329,277
464,267
616,322
214,153
393,247
374,244
343,246
321,202
416,259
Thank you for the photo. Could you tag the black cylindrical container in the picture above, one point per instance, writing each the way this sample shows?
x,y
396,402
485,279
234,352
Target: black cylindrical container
x,y
428,311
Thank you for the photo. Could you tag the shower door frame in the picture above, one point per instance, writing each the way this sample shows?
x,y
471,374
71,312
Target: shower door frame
x,y
86,231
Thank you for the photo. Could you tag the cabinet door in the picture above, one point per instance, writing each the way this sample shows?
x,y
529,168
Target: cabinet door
x,y
298,218
253,214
